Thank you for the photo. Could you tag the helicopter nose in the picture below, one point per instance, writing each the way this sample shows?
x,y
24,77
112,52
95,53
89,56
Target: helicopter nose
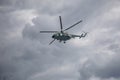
x,y
53,36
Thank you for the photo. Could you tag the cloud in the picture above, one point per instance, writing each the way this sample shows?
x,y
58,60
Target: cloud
x,y
26,55
104,64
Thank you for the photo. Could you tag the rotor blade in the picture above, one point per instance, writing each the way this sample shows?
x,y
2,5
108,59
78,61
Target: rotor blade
x,y
51,41
61,27
73,25
48,31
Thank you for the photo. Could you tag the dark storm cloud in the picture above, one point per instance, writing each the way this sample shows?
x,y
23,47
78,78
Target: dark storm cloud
x,y
5,2
25,54
104,70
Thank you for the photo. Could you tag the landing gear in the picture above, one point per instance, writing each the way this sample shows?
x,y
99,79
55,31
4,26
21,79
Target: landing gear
x,y
59,40
62,41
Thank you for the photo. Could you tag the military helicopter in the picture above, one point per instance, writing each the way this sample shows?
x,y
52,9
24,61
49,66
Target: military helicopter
x,y
62,35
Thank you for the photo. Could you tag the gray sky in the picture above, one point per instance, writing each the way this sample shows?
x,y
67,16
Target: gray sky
x,y
26,55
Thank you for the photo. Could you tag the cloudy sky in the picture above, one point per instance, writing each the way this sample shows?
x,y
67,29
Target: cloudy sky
x,y
26,55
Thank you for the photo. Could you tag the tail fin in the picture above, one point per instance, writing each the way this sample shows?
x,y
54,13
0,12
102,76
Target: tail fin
x,y
83,35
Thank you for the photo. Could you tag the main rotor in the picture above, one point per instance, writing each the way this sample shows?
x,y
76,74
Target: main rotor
x,y
61,27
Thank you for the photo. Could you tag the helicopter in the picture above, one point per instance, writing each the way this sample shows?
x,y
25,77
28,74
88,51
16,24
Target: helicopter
x,y
62,35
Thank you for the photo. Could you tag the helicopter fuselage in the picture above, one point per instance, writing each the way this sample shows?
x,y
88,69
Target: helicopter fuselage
x,y
61,36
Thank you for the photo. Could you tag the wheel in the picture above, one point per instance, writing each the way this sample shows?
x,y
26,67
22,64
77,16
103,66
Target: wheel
x,y
59,40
